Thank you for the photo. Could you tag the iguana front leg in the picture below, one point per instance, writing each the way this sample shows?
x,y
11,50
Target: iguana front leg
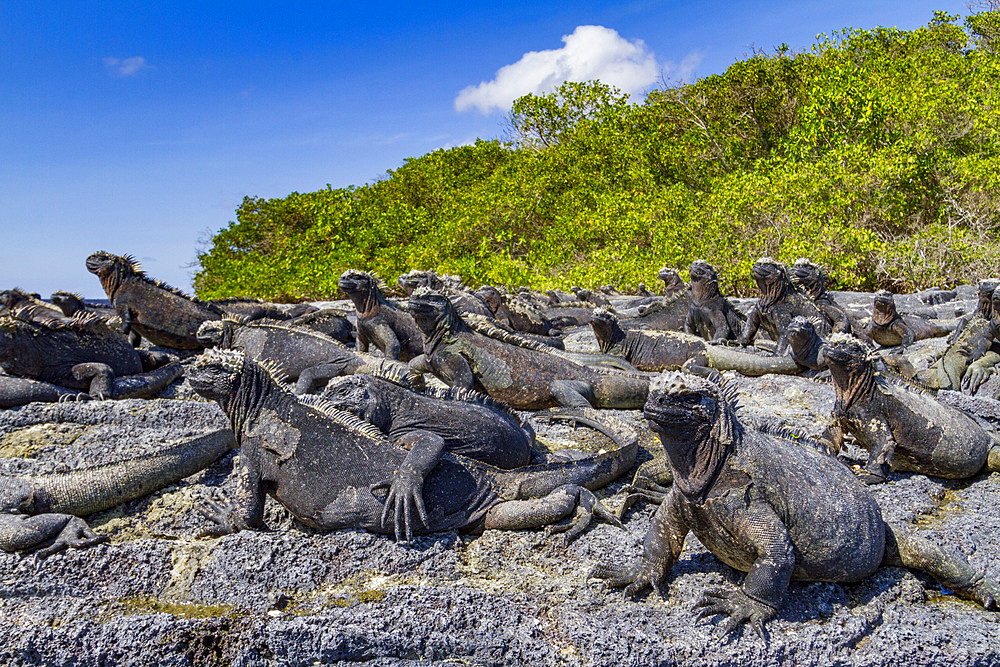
x,y
45,534
407,484
978,371
389,341
247,508
876,434
661,549
126,316
750,327
101,376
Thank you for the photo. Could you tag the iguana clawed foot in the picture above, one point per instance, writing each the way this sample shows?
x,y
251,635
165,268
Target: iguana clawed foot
x,y
223,515
986,592
406,493
587,505
76,534
634,579
737,607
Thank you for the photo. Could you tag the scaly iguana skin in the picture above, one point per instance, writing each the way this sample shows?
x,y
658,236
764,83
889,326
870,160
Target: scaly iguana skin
x,y
465,301
778,303
811,280
888,328
521,316
56,360
663,350
250,309
300,355
710,314
380,323
29,305
770,507
669,312
148,308
986,354
332,322
524,378
40,514
331,470
948,371
902,427
70,304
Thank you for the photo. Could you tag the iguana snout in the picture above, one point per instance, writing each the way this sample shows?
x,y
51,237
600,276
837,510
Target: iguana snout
x,y
215,372
680,403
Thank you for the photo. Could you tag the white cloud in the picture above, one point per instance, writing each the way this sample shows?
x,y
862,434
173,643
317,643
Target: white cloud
x,y
126,66
591,52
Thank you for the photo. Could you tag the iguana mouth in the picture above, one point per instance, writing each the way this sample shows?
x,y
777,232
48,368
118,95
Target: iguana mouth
x,y
668,416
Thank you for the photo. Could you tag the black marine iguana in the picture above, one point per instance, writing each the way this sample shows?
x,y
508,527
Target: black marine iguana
x,y
670,350
332,322
770,507
522,377
332,470
778,303
902,427
520,316
710,314
302,356
40,514
380,323
811,280
149,308
56,360
30,306
465,301
71,304
669,312
888,328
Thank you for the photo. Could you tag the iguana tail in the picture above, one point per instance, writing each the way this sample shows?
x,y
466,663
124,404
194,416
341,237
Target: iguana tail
x,y
591,470
92,490
723,358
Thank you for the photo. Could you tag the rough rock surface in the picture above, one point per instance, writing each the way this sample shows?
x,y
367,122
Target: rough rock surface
x,y
157,594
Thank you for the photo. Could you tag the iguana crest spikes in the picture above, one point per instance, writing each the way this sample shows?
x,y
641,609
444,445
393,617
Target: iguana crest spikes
x,y
340,416
374,277
772,261
674,382
483,326
396,373
131,266
231,360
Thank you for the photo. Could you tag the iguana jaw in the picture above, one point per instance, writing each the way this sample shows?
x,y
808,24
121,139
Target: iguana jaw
x,y
353,283
671,279
883,307
680,415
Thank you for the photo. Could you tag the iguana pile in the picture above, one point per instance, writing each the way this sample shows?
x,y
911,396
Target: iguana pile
x,y
811,280
380,323
332,322
150,308
41,514
332,470
768,506
524,377
520,316
59,359
30,306
465,301
778,304
902,427
71,304
302,356
888,328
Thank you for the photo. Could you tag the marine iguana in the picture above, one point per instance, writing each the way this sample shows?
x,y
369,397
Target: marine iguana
x,y
56,360
778,303
669,312
41,514
770,507
332,470
902,427
710,314
301,355
149,308
662,350
250,309
520,316
29,305
986,353
465,301
70,304
956,362
811,280
888,328
590,296
522,377
380,323
332,322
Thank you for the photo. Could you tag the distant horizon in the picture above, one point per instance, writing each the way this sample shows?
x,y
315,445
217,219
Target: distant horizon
x,y
139,129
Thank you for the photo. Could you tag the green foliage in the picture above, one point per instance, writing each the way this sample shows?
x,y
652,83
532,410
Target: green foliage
x,y
875,152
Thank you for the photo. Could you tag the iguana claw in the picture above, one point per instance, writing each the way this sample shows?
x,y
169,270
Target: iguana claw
x,y
406,492
737,607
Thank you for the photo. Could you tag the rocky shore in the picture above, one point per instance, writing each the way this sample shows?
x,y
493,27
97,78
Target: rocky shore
x,y
156,594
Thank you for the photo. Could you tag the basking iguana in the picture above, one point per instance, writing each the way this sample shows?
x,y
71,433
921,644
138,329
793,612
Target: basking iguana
x,y
661,350
986,354
590,296
520,316
778,303
380,323
464,300
525,378
70,304
902,427
41,514
770,507
250,309
888,328
300,355
149,308
332,322
58,359
710,314
30,306
669,312
956,363
332,470
811,280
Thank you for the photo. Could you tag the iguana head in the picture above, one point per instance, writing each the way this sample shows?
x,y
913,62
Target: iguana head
x,y
417,278
354,394
492,296
883,307
353,281
433,313
801,330
808,277
771,278
217,333
16,496
671,278
985,291
68,302
704,280
103,263
695,421
851,366
215,374
606,328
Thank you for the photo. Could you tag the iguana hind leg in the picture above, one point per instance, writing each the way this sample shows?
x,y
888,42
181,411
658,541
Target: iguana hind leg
x,y
572,393
571,502
904,549
45,534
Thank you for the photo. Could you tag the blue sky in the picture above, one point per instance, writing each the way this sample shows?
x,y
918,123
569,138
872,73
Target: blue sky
x,y
138,127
